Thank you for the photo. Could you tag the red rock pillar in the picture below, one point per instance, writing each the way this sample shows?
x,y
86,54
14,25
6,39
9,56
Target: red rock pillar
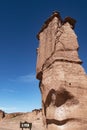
x,y
63,82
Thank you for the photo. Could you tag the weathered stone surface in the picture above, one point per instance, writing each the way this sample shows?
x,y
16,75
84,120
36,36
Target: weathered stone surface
x,y
47,36
2,114
63,82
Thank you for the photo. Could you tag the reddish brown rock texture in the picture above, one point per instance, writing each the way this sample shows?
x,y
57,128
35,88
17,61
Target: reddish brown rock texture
x,y
63,82
2,114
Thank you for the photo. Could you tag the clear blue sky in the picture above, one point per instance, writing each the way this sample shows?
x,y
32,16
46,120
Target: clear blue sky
x,y
20,21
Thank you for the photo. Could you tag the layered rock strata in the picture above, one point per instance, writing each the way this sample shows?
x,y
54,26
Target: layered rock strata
x,y
63,82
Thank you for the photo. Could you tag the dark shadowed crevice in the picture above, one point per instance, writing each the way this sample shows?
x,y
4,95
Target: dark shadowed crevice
x,y
56,122
59,98
62,96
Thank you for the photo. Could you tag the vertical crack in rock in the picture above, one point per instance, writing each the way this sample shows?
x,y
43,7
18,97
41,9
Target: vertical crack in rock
x,y
56,41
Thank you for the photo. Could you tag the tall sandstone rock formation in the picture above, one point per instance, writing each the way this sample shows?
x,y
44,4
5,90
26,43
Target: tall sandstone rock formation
x,y
63,82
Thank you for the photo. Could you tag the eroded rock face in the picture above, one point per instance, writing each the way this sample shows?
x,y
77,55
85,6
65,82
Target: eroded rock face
x,y
12,115
63,82
2,114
